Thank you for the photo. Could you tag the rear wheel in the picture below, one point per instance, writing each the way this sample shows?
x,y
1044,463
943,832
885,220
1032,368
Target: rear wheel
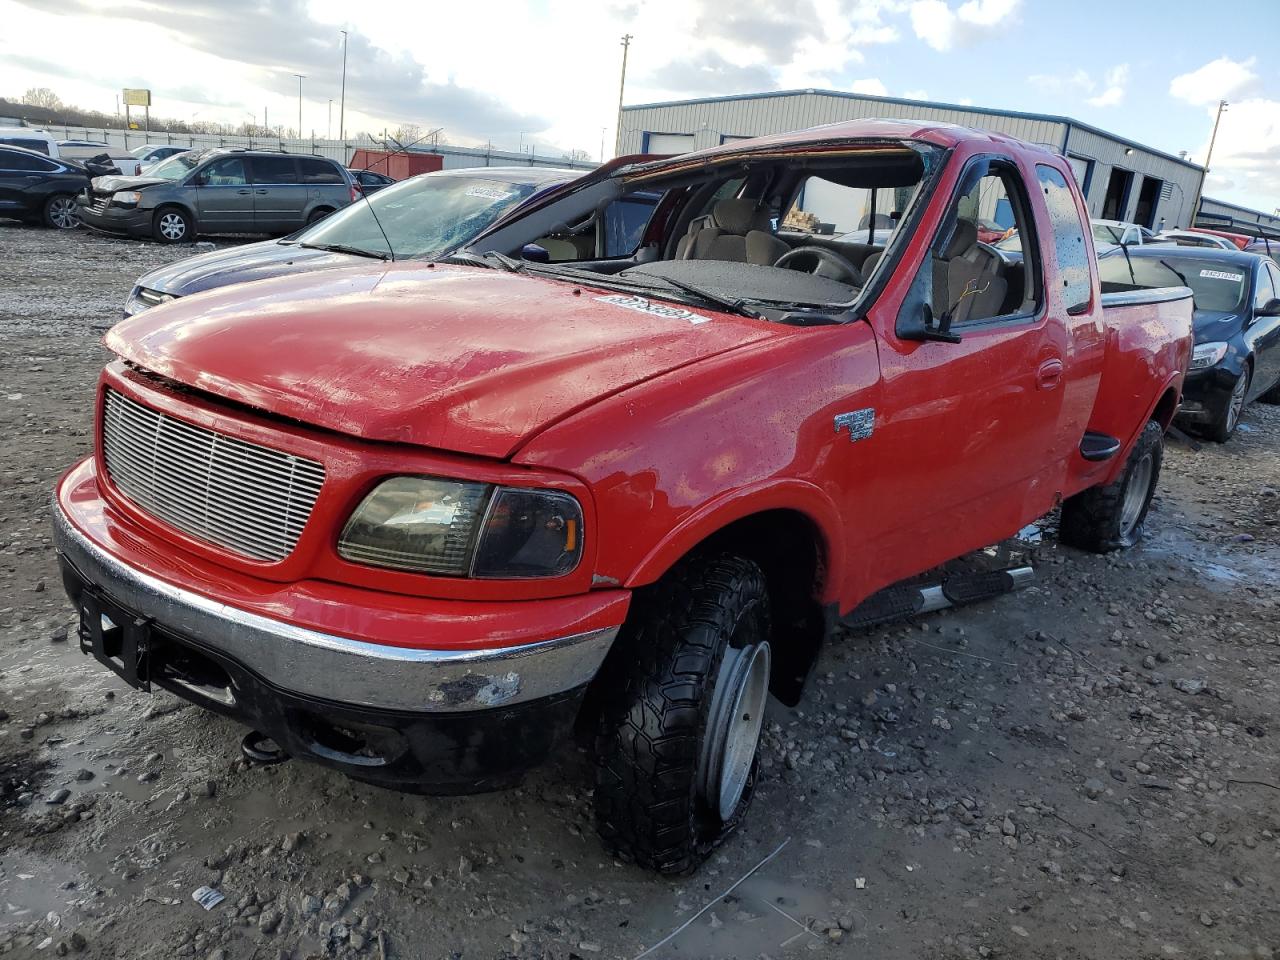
x,y
172,225
1222,428
683,710
60,212
1102,519
1272,395
318,214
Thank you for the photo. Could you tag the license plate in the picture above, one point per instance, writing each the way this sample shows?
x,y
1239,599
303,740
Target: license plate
x,y
119,640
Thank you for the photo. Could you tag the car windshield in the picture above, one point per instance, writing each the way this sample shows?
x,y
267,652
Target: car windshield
x,y
1217,284
175,168
423,217
1106,233
140,152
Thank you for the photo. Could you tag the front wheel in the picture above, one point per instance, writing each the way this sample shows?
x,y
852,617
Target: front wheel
x,y
1102,519
172,225
1222,428
684,704
60,212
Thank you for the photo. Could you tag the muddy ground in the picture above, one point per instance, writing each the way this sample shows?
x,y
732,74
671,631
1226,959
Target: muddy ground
x,y
1090,768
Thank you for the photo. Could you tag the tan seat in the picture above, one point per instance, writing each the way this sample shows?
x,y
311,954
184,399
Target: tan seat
x,y
973,288
737,230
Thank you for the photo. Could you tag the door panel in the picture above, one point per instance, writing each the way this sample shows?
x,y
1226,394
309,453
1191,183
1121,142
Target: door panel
x,y
224,200
1264,332
279,199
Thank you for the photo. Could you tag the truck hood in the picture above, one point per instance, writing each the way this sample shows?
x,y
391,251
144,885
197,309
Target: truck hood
x,y
465,359
252,261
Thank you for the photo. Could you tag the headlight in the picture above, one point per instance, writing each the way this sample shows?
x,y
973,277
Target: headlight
x,y
458,529
1207,354
141,298
126,198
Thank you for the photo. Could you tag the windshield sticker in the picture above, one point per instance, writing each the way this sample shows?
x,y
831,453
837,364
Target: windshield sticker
x,y
490,193
1222,275
656,309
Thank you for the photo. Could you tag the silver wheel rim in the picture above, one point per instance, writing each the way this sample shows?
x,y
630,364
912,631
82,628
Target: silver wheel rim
x,y
1135,495
1236,405
172,226
733,726
63,213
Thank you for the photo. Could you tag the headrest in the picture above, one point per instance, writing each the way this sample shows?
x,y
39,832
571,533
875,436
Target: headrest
x,y
740,215
962,239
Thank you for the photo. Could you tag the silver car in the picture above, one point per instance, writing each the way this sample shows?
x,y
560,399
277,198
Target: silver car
x,y
219,191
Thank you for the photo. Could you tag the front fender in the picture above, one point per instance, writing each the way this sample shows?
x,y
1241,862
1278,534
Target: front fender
x,y
715,515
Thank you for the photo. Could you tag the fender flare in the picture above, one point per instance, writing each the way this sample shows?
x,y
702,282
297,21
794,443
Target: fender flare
x,y
1173,382
784,494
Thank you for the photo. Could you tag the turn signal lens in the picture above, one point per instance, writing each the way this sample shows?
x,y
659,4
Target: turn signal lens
x,y
529,533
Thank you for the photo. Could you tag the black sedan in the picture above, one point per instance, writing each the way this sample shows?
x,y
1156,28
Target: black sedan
x,y
1237,325
38,189
371,182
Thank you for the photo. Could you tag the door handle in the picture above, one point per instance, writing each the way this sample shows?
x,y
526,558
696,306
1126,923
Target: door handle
x,y
262,192
1049,375
244,192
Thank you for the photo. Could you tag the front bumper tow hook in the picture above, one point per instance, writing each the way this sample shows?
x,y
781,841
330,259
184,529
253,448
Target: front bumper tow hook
x,y
261,749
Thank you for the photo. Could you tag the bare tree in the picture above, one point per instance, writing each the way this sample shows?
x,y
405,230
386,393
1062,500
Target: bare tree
x,y
577,156
42,97
406,133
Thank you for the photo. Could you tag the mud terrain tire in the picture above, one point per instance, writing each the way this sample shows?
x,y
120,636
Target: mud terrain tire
x,y
663,702
1102,519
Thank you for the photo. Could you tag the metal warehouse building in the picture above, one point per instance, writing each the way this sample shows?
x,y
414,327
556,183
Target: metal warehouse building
x,y
1121,180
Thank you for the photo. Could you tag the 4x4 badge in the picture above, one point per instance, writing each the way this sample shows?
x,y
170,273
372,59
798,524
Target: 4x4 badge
x,y
860,423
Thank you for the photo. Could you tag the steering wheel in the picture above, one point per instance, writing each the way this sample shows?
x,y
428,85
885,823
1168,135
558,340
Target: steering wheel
x,y
828,263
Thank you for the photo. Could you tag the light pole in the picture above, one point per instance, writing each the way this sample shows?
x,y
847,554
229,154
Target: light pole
x,y
328,127
342,103
301,77
622,86
1195,205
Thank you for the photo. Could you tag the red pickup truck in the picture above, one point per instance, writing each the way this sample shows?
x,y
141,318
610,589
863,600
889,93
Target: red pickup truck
x,y
417,521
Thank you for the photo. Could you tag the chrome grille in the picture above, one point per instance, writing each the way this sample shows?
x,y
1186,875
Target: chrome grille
x,y
247,498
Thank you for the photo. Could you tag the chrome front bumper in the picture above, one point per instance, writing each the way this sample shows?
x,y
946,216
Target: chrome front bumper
x,y
338,669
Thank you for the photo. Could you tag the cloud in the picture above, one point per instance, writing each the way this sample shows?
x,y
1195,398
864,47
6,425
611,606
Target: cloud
x,y
711,74
1246,155
775,28
1221,79
285,40
1112,94
872,86
942,28
1078,82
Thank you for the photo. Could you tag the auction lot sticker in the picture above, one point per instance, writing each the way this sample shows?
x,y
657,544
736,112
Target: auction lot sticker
x,y
655,309
1221,275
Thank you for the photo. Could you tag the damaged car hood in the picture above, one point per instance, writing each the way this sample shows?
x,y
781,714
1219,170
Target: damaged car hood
x,y
111,184
252,261
465,359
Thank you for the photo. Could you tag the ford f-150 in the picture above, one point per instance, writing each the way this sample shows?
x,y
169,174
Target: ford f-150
x,y
417,521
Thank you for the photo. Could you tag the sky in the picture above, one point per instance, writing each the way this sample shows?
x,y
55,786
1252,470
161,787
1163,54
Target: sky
x,y
545,72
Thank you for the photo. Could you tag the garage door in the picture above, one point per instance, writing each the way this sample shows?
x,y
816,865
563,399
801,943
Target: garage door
x,y
670,142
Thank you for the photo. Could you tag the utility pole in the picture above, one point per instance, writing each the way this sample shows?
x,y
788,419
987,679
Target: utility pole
x,y
342,103
602,130
328,127
1195,206
622,86
301,77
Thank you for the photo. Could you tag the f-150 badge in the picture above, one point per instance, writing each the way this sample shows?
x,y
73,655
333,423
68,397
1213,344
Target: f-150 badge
x,y
860,423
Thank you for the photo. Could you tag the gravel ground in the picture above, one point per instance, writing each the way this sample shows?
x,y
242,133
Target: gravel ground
x,y
1090,768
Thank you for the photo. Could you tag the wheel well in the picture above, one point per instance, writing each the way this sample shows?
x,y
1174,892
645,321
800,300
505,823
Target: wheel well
x,y
172,205
791,552
789,548
1165,408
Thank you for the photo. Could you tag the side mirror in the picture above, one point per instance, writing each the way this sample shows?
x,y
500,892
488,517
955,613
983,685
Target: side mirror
x,y
924,326
1270,309
534,253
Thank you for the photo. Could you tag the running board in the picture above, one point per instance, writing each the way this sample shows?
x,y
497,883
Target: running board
x,y
900,602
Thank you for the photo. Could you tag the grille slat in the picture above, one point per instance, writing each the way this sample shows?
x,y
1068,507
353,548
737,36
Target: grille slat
x,y
249,499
